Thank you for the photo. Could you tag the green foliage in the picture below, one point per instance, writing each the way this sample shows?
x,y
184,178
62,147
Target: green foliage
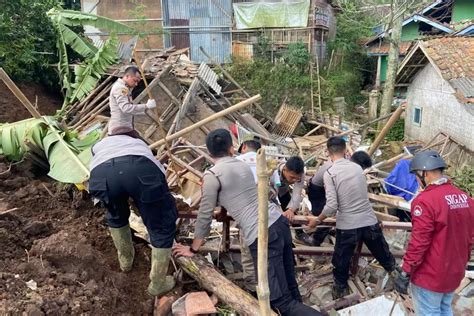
x,y
464,179
67,158
276,82
27,41
397,132
87,75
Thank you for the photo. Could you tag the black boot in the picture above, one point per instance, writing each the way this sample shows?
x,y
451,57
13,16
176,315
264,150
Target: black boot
x,y
339,291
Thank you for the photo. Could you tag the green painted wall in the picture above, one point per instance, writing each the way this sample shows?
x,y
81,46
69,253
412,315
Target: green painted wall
x,y
463,10
410,31
383,68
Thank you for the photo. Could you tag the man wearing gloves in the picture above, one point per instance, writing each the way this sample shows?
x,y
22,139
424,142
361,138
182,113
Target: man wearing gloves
x,y
124,167
441,238
122,108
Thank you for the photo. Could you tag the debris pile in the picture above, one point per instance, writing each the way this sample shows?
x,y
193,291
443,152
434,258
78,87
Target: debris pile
x,y
191,101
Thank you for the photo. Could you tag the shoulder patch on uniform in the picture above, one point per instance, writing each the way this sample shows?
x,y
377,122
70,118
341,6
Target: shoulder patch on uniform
x,y
124,91
417,211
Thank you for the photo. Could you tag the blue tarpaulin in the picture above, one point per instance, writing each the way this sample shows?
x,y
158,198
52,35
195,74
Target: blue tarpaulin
x,y
401,177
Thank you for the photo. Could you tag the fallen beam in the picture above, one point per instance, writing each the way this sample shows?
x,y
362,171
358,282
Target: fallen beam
x,y
17,92
211,118
212,280
303,220
393,202
304,251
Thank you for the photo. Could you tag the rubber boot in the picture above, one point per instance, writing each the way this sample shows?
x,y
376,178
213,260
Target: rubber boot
x,y
160,283
339,291
122,238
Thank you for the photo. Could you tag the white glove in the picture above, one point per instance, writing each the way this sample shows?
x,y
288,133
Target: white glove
x,y
151,104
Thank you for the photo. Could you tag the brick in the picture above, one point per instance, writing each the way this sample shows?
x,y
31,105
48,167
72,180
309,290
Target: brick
x,y
198,303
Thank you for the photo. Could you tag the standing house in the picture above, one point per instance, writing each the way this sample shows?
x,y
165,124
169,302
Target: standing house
x,y
441,17
438,75
214,25
312,22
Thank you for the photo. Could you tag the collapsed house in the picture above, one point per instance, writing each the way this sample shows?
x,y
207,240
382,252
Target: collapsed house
x,y
187,95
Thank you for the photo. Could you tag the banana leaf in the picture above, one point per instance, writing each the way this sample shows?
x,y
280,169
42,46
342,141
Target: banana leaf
x,y
78,43
68,162
87,76
14,135
75,18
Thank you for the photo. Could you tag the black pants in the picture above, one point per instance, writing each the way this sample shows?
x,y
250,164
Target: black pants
x,y
317,197
118,179
284,294
346,242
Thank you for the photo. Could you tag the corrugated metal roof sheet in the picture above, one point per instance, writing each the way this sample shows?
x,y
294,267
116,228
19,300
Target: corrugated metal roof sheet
x,y
463,85
210,24
209,77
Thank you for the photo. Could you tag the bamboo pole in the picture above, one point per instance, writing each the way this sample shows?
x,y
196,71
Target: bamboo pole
x,y
150,96
17,92
393,118
347,132
262,262
208,119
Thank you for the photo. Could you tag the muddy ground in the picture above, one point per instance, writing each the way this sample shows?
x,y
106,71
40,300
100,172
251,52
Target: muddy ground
x,y
60,241
12,110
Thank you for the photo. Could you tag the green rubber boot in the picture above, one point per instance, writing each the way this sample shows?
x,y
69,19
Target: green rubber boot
x,y
122,238
160,283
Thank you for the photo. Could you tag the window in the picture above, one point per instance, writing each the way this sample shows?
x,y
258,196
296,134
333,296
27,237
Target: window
x,y
417,116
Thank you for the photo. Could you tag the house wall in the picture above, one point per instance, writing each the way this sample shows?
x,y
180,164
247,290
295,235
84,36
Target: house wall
x,y
462,10
441,111
144,15
410,31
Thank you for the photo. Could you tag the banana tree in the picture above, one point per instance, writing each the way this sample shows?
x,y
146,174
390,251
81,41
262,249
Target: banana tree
x,y
96,60
68,156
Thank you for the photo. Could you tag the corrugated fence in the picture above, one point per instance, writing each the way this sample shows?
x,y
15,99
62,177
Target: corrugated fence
x,y
195,23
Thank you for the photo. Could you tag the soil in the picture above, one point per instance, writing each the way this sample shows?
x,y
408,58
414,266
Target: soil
x,y
59,240
12,110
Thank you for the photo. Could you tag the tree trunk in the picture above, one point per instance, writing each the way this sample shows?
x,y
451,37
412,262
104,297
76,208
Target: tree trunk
x,y
392,66
212,280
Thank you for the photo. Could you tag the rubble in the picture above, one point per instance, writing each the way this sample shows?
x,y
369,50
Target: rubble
x,y
192,100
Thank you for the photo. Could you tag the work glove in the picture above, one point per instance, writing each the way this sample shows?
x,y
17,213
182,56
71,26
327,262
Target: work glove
x,y
151,104
401,282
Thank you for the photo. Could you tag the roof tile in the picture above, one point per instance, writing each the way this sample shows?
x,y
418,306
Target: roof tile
x,y
454,56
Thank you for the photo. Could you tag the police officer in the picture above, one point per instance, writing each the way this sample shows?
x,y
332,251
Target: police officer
x,y
123,167
122,108
441,238
230,184
347,198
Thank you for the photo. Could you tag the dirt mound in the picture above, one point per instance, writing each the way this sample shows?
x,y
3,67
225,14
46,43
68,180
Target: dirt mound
x,y
57,257
12,110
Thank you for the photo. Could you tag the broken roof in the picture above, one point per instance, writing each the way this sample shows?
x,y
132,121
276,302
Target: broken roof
x,y
452,57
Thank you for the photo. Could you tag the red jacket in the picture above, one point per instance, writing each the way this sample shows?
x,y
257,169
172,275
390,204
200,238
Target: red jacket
x,y
441,238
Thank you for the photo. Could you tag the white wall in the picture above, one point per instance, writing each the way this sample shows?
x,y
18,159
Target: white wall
x,y
441,111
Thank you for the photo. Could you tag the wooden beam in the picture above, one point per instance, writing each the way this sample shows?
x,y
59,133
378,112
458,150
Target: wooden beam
x,y
211,118
17,92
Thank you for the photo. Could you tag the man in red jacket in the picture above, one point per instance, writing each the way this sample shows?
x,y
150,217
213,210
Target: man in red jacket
x,y
441,239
